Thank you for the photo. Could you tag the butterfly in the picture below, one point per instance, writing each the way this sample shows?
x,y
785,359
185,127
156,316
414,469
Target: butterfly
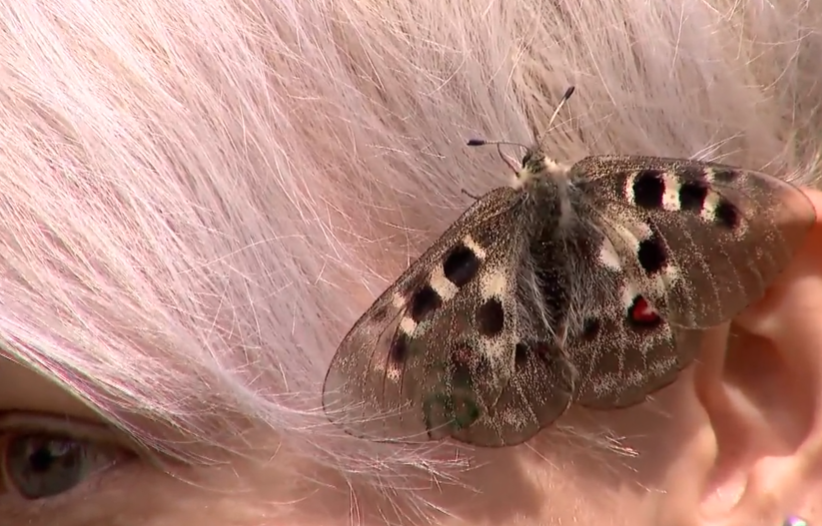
x,y
587,284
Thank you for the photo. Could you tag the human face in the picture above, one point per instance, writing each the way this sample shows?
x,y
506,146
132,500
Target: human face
x,y
736,441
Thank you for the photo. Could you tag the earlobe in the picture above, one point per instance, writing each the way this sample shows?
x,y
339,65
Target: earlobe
x,y
759,385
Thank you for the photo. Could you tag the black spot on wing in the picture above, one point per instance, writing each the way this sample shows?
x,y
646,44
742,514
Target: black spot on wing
x,y
648,189
460,265
425,301
490,317
652,255
398,352
725,175
695,191
452,406
692,196
591,328
726,214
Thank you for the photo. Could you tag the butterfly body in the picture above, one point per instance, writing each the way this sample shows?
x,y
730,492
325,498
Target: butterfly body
x,y
583,285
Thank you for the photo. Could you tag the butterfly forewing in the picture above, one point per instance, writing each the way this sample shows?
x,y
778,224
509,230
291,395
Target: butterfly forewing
x,y
709,238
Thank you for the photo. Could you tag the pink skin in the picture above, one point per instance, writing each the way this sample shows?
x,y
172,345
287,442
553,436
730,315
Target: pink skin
x,y
738,438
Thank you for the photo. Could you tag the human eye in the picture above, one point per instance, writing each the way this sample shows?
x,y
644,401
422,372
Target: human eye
x,y
43,456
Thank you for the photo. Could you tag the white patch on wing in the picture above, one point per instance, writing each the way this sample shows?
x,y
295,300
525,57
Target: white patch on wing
x,y
608,255
495,349
393,373
493,284
671,274
408,325
629,293
662,286
442,285
632,233
670,194
628,190
475,247
642,230
398,301
708,213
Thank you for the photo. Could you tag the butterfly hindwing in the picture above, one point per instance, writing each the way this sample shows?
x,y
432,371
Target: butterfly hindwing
x,y
620,348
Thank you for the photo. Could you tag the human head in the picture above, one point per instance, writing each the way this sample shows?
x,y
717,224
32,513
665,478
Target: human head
x,y
199,199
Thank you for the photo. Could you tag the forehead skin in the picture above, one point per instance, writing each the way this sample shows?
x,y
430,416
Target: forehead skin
x,y
22,389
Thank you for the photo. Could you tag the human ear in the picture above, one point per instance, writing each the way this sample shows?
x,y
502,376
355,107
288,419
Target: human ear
x,y
757,457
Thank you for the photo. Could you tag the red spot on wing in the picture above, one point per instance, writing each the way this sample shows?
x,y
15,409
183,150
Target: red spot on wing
x,y
642,311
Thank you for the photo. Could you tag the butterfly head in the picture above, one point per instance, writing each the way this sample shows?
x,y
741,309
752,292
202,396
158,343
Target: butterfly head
x,y
535,164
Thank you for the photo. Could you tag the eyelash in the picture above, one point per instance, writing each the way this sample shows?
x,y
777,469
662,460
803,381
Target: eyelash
x,y
93,448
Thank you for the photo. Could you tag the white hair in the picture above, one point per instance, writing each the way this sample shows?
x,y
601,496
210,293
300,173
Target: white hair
x,y
200,197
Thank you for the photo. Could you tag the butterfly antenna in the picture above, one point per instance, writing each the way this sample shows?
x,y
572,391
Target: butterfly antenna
x,y
472,196
560,105
562,101
508,161
498,144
